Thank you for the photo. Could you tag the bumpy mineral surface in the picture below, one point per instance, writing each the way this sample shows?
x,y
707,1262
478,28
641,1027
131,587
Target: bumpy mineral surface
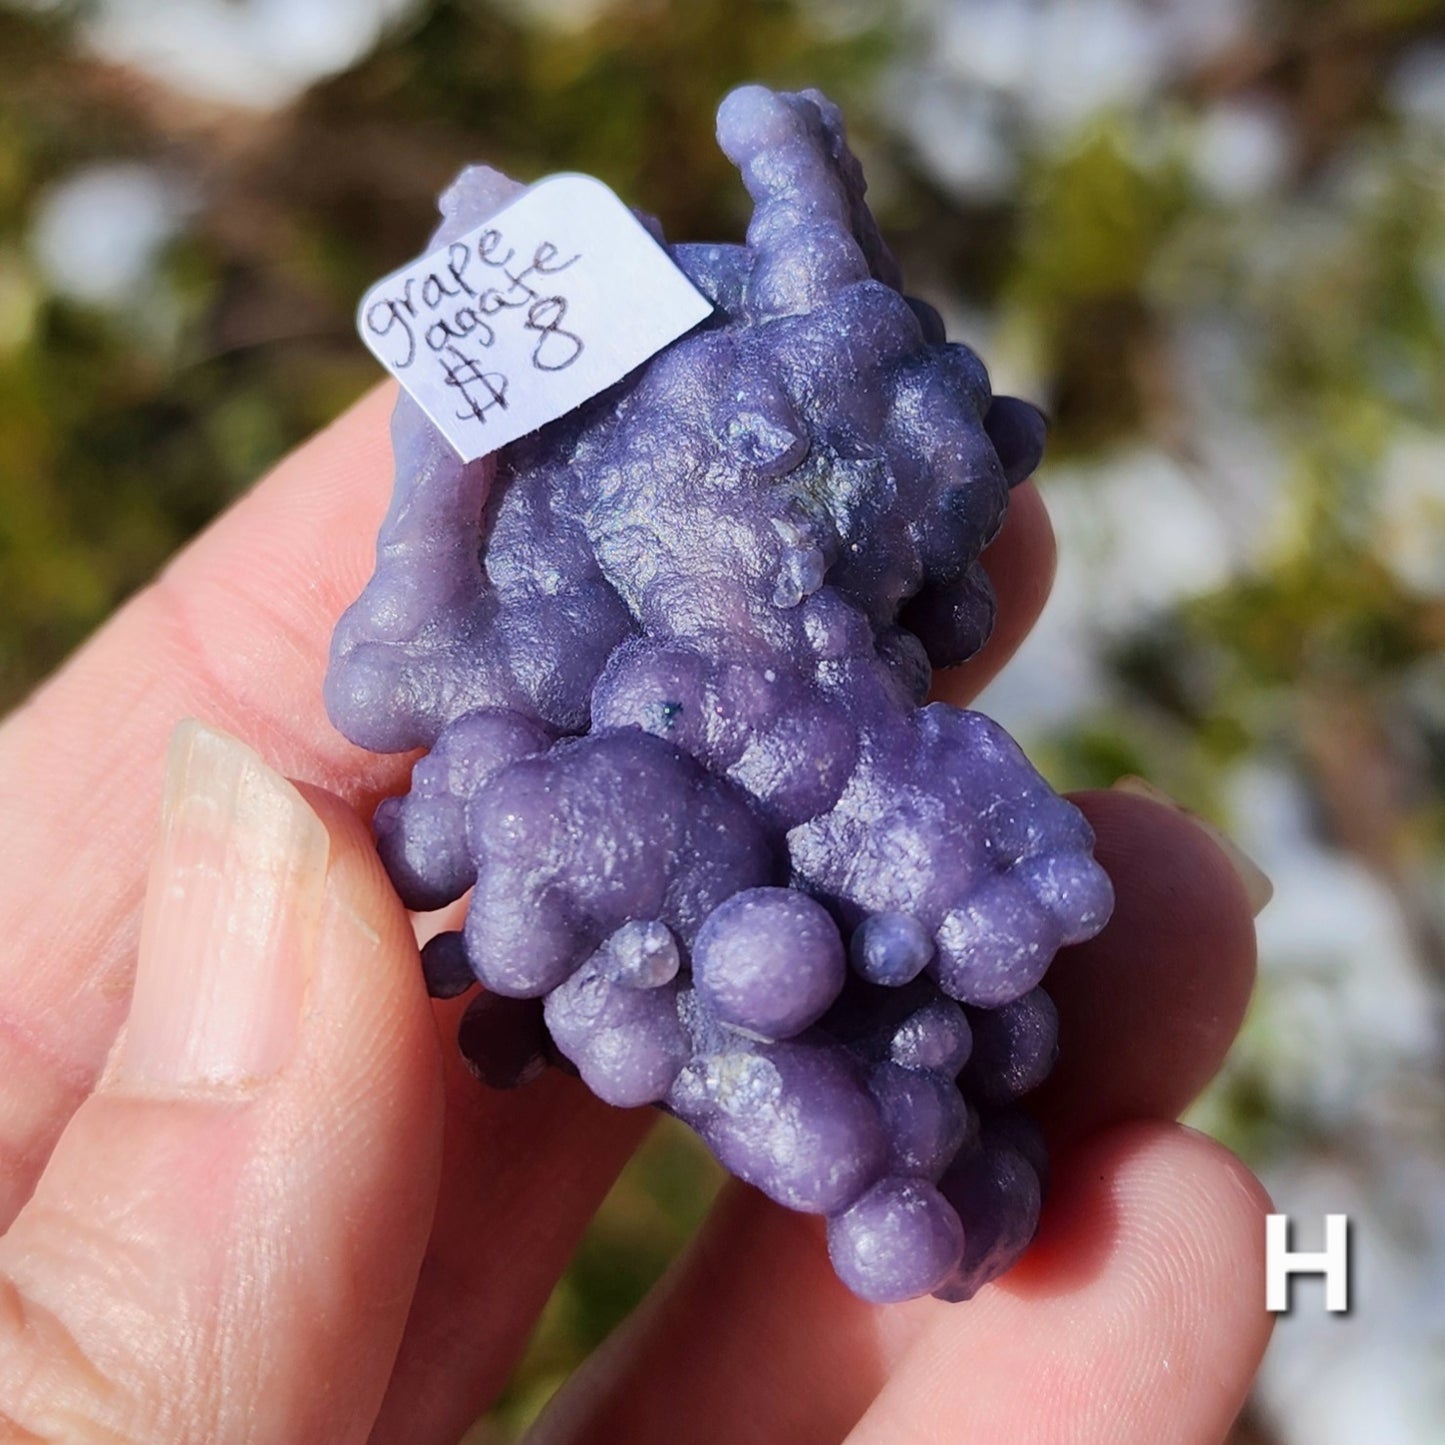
x,y
669,657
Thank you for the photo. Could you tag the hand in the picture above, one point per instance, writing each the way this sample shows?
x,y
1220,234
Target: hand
x,y
289,1214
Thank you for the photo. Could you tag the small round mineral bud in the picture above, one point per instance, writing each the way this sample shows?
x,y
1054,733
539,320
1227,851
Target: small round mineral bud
x,y
996,1195
642,954
445,966
936,1038
627,1043
890,949
1016,429
794,1119
926,1119
1016,1129
996,945
901,1239
769,960
1014,1048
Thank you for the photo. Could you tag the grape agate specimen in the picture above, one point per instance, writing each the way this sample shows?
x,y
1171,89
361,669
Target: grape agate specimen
x,y
669,659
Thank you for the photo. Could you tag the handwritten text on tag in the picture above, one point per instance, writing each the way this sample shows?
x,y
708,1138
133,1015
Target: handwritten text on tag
x,y
548,302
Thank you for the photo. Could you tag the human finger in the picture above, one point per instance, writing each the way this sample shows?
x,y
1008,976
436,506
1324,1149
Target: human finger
x,y
224,1243
234,631
1138,1315
1149,1007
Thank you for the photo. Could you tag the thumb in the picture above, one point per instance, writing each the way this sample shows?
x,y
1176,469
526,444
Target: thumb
x,y
224,1244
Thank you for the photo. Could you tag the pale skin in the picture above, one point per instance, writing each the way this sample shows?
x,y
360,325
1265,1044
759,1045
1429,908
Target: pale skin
x,y
324,1230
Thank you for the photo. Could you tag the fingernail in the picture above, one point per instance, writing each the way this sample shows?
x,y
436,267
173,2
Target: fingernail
x,y
1256,882
232,914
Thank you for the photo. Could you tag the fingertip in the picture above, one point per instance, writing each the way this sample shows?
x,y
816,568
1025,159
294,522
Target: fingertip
x,y
350,452
1155,1232
1149,1007
251,1193
1137,1315
1173,867
359,879
374,1043
1148,1191
1026,552
1256,882
1162,854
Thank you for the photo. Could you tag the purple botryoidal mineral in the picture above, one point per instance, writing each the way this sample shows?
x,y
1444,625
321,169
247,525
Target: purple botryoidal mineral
x,y
669,656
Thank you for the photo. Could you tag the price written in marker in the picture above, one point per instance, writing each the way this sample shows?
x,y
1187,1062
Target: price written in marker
x,y
549,301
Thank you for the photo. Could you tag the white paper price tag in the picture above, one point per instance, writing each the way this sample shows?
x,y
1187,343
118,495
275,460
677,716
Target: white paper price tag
x,y
549,301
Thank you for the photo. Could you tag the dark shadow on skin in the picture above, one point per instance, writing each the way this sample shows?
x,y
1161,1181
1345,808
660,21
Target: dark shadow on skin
x,y
1079,1231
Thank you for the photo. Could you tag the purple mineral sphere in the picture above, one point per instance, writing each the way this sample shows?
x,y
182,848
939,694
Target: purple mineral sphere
x,y
890,948
900,1240
770,961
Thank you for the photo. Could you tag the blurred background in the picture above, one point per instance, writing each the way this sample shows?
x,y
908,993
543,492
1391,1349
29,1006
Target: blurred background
x,y
1208,235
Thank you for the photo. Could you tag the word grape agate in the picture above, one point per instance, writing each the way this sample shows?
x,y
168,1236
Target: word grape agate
x,y
669,657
